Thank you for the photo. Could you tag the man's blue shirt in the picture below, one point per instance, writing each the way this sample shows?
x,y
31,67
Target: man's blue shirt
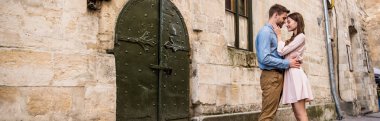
x,y
266,50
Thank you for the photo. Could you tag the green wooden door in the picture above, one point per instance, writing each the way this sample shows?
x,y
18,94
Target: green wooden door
x,y
152,62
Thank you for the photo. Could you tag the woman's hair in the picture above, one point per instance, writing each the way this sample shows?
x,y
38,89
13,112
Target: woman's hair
x,y
297,17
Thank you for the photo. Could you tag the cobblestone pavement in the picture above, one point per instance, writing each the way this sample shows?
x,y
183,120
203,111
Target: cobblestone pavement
x,y
368,117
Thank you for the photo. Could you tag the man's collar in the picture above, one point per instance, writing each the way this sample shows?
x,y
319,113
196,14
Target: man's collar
x,y
269,25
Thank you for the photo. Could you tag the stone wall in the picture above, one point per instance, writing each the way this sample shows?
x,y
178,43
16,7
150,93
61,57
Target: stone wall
x,y
231,77
372,8
238,76
54,65
356,86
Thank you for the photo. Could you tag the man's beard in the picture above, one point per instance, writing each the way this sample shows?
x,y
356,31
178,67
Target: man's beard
x,y
280,24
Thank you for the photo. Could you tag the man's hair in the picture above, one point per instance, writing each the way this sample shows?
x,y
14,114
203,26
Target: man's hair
x,y
277,8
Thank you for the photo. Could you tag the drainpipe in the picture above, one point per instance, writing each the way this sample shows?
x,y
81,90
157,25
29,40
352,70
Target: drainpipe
x,y
330,63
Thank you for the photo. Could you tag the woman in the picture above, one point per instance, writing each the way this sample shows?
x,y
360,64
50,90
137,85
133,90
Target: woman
x,y
296,89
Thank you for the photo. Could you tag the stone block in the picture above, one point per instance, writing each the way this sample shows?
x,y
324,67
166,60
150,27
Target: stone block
x,y
223,76
105,42
199,22
41,26
73,69
100,102
73,6
11,109
9,22
9,38
248,95
243,75
41,103
221,95
107,22
25,68
207,53
207,74
215,26
211,39
79,33
234,94
194,92
257,75
250,74
105,69
207,94
212,9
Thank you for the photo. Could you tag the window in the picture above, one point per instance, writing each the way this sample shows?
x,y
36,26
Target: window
x,y
230,5
349,53
367,62
239,24
352,31
243,7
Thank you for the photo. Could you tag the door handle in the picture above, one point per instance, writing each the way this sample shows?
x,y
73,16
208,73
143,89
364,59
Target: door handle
x,y
166,69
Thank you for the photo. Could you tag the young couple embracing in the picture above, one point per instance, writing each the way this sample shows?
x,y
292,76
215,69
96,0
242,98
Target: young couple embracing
x,y
282,78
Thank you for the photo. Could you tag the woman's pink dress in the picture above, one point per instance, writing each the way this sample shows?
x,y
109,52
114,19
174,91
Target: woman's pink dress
x,y
296,84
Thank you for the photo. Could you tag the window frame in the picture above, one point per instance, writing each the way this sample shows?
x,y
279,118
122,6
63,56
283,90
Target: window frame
x,y
235,10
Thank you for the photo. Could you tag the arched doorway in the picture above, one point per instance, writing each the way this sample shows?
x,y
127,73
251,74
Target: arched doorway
x,y
152,62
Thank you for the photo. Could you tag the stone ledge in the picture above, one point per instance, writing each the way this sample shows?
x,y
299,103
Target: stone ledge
x,y
242,58
315,113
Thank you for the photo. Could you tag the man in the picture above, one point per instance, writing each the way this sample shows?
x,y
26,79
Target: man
x,y
272,64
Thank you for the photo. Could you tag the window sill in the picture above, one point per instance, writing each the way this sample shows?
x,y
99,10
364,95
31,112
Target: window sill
x,y
242,57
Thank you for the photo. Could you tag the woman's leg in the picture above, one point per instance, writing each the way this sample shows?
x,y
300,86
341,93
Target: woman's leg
x,y
300,110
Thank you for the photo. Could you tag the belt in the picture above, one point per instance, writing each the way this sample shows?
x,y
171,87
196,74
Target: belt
x,y
275,70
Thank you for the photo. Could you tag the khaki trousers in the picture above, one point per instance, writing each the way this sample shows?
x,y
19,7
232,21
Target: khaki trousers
x,y
271,83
